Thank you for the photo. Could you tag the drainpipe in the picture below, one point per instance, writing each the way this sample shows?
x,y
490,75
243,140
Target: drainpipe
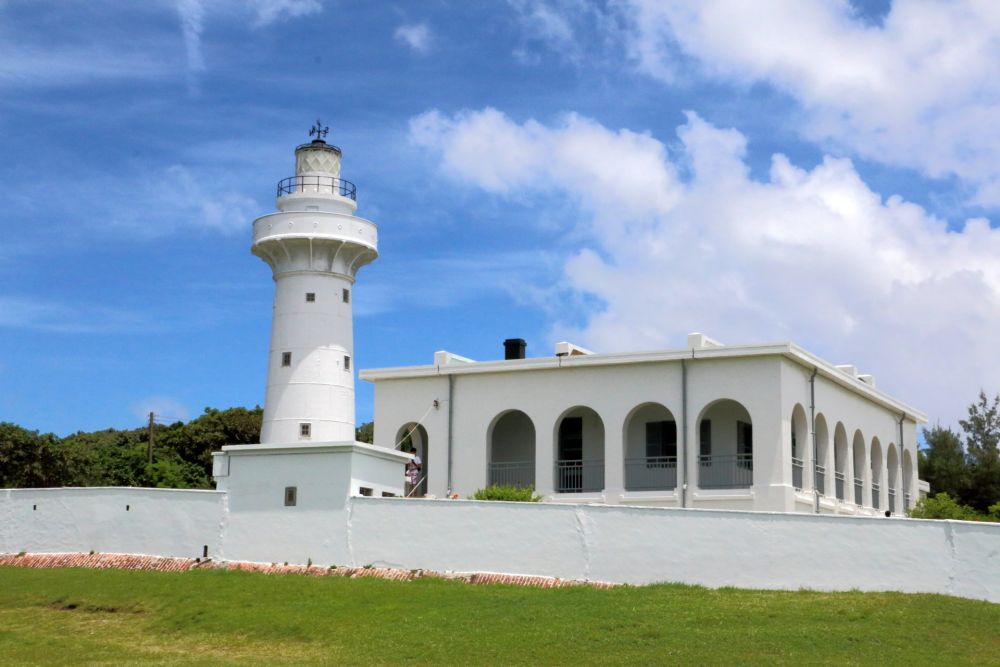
x,y
812,426
684,431
899,473
451,391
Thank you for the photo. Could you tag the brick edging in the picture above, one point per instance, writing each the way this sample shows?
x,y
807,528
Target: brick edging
x,y
101,561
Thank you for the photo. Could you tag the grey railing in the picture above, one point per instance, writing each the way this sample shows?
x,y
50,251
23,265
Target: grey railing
x,y
838,482
859,491
513,473
906,502
821,480
727,471
312,184
797,473
651,473
875,495
892,500
576,476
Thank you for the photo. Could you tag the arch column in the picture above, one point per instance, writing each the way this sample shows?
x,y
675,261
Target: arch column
x,y
545,453
614,459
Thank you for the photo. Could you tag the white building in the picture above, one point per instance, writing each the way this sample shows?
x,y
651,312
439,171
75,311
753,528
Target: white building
x,y
710,426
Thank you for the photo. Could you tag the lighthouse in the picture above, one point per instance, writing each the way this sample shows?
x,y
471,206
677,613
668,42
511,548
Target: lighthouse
x,y
315,245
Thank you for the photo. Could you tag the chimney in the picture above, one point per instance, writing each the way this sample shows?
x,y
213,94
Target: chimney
x,y
513,348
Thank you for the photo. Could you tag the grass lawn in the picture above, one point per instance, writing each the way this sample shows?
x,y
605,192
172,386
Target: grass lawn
x,y
75,616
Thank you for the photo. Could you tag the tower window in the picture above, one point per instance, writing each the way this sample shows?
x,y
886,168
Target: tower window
x,y
310,297
286,358
347,363
347,295
305,430
291,494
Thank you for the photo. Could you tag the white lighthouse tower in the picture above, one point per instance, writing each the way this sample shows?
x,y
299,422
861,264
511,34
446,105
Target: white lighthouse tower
x,y
315,245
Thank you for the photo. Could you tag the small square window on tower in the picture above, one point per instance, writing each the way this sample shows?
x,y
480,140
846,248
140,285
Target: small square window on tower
x,y
286,358
347,295
347,363
310,297
291,494
305,430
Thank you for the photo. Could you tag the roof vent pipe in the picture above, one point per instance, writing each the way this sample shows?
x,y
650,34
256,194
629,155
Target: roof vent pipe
x,y
513,348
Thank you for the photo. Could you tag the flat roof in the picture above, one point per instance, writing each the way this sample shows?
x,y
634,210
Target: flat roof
x,y
788,350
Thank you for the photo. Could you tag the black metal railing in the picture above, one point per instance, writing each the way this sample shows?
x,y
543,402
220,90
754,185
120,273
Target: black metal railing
x,y
821,480
317,184
838,482
576,476
875,495
651,473
513,473
727,471
797,473
859,491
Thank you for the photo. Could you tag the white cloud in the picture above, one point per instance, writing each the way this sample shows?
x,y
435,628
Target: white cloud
x,y
34,314
165,408
920,90
417,36
813,256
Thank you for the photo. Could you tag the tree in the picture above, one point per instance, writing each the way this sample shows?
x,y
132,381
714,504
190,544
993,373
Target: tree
x,y
942,464
365,433
982,445
943,506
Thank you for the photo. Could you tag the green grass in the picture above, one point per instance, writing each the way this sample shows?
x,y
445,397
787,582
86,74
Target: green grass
x,y
77,616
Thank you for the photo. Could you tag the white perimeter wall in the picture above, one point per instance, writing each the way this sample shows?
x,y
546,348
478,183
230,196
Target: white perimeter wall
x,y
607,543
159,522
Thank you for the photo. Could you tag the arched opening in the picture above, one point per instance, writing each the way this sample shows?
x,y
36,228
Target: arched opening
x,y
840,460
907,479
892,472
413,436
800,444
876,474
579,436
859,468
822,451
511,442
725,438
650,435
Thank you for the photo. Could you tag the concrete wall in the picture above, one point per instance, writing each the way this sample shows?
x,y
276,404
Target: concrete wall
x,y
160,522
598,542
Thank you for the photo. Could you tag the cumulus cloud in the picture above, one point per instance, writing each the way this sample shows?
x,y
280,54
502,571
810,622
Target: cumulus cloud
x,y
921,89
417,36
688,241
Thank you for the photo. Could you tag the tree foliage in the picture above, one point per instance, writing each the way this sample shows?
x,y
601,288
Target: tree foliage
x,y
182,453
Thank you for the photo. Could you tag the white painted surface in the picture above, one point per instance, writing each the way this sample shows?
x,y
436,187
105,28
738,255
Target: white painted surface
x,y
158,522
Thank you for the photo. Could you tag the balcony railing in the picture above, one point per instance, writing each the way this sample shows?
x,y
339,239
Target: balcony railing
x,y
651,473
838,482
821,480
317,184
906,502
797,473
892,500
513,473
859,495
875,495
727,471
576,476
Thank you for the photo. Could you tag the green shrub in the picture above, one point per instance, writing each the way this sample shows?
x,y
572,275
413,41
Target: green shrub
x,y
524,494
943,506
994,511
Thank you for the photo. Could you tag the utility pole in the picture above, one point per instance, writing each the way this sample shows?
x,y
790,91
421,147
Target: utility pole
x,y
149,449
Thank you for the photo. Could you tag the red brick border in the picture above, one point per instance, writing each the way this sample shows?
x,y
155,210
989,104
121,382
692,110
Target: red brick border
x,y
159,564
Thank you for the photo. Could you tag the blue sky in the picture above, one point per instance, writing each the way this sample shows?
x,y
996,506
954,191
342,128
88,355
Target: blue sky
x,y
615,174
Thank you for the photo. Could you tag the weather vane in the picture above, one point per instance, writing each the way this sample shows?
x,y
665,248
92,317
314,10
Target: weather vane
x,y
318,130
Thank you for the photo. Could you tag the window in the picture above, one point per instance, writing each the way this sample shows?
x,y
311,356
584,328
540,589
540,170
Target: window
x,y
305,430
571,439
744,444
795,445
310,297
286,358
661,439
386,494
347,363
347,295
365,490
705,441
291,494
